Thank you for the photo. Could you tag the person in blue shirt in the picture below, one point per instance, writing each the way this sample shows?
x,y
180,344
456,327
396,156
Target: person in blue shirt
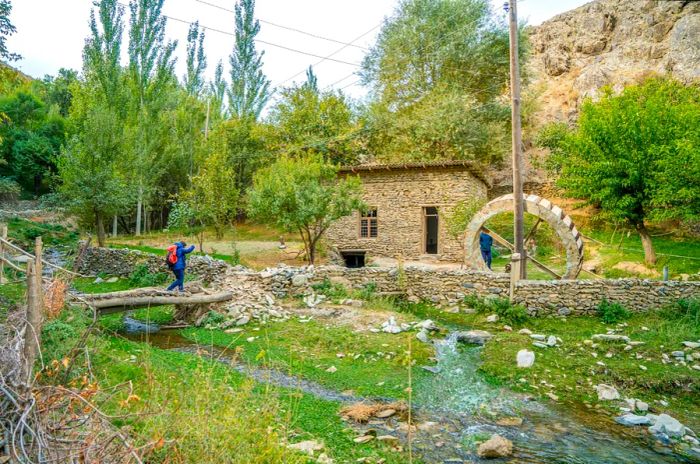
x,y
485,243
179,267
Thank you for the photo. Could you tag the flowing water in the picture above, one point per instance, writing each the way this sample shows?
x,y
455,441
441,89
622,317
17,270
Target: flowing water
x,y
456,406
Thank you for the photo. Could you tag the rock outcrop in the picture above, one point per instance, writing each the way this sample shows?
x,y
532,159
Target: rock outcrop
x,y
610,42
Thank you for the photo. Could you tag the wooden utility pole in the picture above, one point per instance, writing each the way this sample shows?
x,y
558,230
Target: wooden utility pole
x,y
3,235
518,204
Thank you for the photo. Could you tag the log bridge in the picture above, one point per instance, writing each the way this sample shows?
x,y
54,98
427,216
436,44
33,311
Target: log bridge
x,y
114,302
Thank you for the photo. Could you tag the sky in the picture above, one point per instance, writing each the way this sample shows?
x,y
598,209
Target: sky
x,y
51,34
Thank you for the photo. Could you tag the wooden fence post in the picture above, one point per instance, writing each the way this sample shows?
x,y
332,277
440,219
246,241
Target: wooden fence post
x,y
32,333
3,234
515,263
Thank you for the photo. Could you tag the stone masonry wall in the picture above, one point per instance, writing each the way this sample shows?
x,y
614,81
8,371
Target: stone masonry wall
x,y
439,286
400,196
122,262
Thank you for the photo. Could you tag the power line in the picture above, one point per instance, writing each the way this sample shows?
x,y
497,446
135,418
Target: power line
x,y
284,47
287,27
328,57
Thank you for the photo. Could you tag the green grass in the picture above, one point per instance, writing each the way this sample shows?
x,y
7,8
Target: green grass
x,y
205,410
24,232
309,349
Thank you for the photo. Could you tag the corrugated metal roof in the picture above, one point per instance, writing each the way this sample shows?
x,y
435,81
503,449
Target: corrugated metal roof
x,y
469,165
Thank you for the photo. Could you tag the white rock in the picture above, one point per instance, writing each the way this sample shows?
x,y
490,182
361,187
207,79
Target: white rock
x,y
692,345
551,340
668,425
308,446
427,325
611,338
525,332
332,369
539,337
299,280
243,320
492,318
607,392
525,358
423,336
641,406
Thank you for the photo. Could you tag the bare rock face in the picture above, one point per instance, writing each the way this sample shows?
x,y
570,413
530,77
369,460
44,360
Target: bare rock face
x,y
610,42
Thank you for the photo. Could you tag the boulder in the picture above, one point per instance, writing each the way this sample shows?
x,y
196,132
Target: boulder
x,y
692,345
667,425
474,337
607,392
633,419
495,447
423,336
610,338
492,318
525,358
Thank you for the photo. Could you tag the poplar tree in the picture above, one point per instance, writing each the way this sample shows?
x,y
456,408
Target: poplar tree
x,y
151,77
217,90
250,88
196,60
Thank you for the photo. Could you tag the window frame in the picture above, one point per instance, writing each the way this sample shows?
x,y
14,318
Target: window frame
x,y
364,217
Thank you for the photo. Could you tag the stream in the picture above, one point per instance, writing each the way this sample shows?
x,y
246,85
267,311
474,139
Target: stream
x,y
456,404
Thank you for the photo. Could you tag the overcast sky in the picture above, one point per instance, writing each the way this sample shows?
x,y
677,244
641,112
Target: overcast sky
x,y
51,33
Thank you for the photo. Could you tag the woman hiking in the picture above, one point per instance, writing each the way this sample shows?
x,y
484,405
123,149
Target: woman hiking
x,y
177,263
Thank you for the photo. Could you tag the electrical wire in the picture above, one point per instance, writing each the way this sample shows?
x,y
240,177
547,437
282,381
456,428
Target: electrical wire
x,y
350,44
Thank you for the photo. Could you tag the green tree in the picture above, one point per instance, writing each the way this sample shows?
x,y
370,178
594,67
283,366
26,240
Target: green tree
x,y
250,89
213,197
6,30
32,135
303,195
217,91
90,185
437,71
634,155
306,120
57,90
196,60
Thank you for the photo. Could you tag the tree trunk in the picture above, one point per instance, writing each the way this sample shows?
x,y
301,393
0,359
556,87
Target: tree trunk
x,y
100,227
649,253
115,227
139,203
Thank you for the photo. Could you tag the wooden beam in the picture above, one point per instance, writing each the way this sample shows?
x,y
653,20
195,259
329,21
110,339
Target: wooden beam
x,y
107,305
510,246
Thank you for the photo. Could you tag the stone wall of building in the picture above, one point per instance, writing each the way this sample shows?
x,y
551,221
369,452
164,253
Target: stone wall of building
x,y
438,286
400,196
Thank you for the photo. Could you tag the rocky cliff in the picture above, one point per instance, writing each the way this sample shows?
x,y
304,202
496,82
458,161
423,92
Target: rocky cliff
x,y
610,42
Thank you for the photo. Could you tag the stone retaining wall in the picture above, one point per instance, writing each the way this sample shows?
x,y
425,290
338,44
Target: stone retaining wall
x,y
122,262
439,286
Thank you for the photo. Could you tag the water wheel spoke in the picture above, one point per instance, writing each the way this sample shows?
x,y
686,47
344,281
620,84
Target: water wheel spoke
x,y
533,230
544,268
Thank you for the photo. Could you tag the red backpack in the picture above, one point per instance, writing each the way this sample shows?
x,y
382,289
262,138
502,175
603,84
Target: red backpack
x,y
171,257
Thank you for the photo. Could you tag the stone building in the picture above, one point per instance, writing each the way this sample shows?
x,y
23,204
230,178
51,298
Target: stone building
x,y
407,208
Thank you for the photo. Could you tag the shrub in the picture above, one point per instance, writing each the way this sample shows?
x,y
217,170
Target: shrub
x,y
331,290
685,310
142,277
508,312
368,291
611,313
213,319
9,189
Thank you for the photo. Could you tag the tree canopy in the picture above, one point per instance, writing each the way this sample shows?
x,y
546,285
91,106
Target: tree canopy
x,y
634,155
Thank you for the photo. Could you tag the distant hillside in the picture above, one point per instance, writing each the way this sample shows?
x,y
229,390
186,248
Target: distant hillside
x,y
11,78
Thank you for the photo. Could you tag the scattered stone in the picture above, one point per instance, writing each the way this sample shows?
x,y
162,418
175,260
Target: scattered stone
x,y
474,337
691,345
632,420
431,369
667,425
243,320
307,446
323,458
390,438
495,447
299,280
423,336
332,369
525,332
678,354
552,396
250,339
492,318
112,280
507,328
364,439
539,337
427,325
551,340
385,413
525,358
510,421
607,392
391,326
611,338
642,367
641,406
540,344
99,280
696,367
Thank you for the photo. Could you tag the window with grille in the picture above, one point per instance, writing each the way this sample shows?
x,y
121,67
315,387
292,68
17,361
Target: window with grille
x,y
368,223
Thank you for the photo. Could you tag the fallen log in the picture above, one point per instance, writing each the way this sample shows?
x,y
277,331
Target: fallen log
x,y
107,305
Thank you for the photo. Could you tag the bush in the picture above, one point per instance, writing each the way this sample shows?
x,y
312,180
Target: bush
x,y
9,189
213,319
507,312
331,290
368,291
611,313
141,277
684,311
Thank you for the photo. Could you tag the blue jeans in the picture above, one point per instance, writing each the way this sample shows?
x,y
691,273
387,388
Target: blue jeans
x,y
179,280
486,254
